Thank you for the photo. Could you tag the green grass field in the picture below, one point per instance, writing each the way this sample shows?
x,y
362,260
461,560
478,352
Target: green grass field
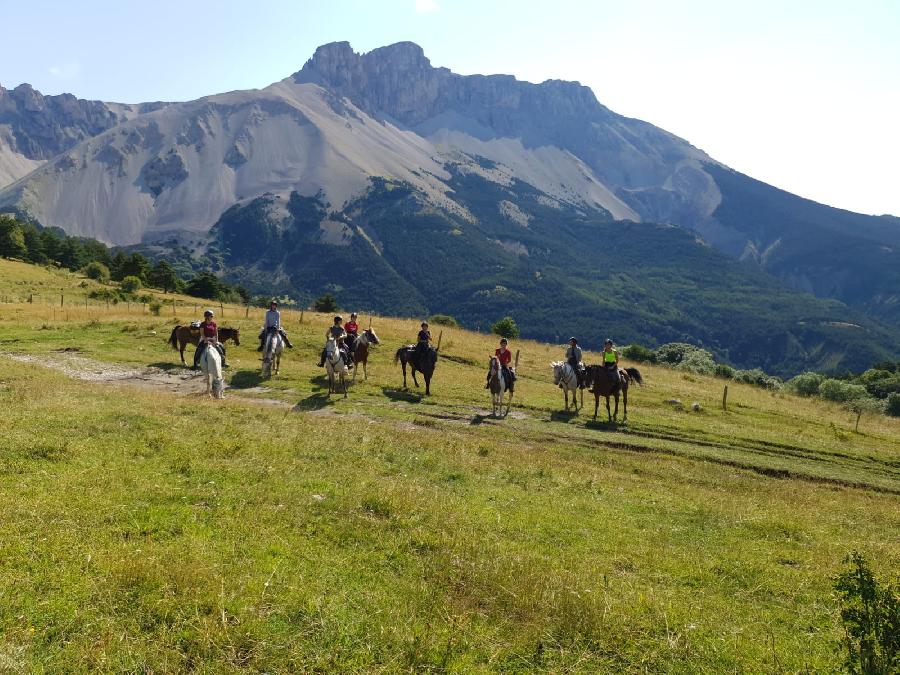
x,y
149,529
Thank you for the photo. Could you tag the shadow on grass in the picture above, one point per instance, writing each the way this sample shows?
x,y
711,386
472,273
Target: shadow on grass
x,y
601,425
315,401
169,366
245,379
399,395
563,415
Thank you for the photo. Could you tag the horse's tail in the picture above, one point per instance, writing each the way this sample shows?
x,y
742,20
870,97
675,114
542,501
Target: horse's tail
x,y
173,338
397,355
635,375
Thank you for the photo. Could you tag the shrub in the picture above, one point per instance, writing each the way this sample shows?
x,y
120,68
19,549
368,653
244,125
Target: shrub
x,y
131,284
870,611
97,271
155,307
836,390
506,327
724,370
806,384
639,353
698,361
893,405
864,405
443,320
758,377
326,304
673,352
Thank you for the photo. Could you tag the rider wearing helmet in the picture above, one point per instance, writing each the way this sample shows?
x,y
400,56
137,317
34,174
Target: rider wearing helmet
x,y
423,339
610,360
273,320
336,331
573,358
209,333
352,330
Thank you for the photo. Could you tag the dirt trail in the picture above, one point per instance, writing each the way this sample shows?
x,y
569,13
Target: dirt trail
x,y
72,364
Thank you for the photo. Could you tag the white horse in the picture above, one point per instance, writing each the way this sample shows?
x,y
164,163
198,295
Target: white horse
x,y
334,365
566,377
498,386
272,350
211,365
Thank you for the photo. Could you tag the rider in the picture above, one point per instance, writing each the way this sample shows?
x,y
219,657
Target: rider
x,y
273,320
610,359
573,358
208,331
422,341
352,330
504,355
336,330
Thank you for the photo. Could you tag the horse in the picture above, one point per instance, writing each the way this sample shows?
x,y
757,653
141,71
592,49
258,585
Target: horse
x,y
211,365
274,346
334,364
424,363
564,375
361,351
601,384
499,386
182,336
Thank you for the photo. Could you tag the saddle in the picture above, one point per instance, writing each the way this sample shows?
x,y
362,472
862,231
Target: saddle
x,y
194,325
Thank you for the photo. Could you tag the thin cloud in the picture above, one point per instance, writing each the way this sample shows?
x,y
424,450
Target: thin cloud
x,y
427,6
66,71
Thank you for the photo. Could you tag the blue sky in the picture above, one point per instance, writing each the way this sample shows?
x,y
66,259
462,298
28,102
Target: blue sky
x,y
804,95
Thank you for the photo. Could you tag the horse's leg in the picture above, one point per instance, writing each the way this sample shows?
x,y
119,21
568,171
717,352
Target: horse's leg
x,y
566,395
413,370
182,345
596,403
608,413
509,403
427,384
403,365
616,413
625,403
366,368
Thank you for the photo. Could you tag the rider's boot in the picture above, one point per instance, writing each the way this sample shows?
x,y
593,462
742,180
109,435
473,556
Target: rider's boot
x,y
487,385
286,341
260,348
322,359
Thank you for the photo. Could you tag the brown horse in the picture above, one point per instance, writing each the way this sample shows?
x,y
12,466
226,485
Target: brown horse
x,y
600,383
424,363
361,351
182,336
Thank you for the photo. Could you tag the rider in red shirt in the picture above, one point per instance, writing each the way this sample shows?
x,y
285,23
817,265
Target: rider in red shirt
x,y
208,331
504,355
351,328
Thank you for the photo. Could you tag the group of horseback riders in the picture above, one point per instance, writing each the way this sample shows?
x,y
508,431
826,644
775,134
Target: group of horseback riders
x,y
346,334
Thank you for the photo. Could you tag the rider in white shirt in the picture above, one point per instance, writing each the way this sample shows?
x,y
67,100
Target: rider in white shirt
x,y
273,320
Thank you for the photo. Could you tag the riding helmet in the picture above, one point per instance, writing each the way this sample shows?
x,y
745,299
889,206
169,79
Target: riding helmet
x,y
338,318
208,312
572,339
608,341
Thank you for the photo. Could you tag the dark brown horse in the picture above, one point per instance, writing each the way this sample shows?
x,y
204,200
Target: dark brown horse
x,y
424,363
361,351
182,336
600,382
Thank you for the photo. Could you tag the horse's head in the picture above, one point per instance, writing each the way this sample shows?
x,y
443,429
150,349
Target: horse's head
x,y
371,337
557,367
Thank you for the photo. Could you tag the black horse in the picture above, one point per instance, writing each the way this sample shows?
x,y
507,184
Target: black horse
x,y
424,361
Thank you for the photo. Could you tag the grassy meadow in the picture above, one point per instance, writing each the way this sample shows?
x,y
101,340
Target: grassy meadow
x,y
149,529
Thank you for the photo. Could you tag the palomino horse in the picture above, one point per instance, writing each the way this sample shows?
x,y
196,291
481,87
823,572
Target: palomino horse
x,y
564,375
335,365
211,365
499,386
272,349
182,336
602,382
361,351
424,363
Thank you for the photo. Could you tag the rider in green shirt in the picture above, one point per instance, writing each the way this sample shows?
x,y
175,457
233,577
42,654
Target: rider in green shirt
x,y
609,354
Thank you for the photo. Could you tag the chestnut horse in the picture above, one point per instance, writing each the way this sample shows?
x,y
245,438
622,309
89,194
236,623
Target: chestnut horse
x,y
601,382
182,336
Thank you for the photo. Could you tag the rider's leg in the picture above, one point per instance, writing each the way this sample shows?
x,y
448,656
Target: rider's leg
x,y
322,357
221,348
197,354
262,337
285,338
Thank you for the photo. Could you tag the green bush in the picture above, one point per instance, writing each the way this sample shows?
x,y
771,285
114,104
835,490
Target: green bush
x,y
893,405
97,271
131,284
698,361
506,327
155,307
443,320
758,377
870,611
326,304
639,353
724,370
837,390
674,352
806,384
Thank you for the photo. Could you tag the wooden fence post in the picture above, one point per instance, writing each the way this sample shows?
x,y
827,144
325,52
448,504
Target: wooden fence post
x,y
247,313
222,310
61,299
301,315
725,398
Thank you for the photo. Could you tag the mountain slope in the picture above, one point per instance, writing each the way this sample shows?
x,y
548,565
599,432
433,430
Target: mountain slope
x,y
407,188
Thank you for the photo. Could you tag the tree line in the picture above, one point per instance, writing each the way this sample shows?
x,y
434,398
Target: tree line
x,y
51,246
